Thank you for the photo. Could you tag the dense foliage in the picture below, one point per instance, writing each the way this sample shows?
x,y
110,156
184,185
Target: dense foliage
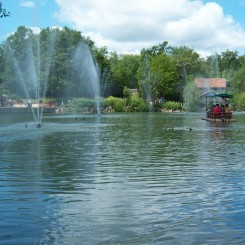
x,y
161,71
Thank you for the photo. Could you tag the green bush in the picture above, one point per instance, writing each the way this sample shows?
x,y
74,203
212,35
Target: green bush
x,y
239,101
137,103
158,104
83,105
119,105
114,104
171,105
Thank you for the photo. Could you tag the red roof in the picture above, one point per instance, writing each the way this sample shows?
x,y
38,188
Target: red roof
x,y
210,82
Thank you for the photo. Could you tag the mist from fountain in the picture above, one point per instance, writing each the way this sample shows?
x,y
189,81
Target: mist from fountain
x,y
88,73
215,65
146,81
104,82
191,94
183,82
32,72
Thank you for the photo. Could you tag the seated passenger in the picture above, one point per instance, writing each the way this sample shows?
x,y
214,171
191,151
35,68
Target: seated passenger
x,y
227,109
217,110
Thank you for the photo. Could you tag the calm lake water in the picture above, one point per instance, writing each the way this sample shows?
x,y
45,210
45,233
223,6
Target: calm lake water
x,y
122,179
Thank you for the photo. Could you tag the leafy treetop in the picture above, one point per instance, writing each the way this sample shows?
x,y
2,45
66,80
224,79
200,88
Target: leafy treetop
x,y
3,12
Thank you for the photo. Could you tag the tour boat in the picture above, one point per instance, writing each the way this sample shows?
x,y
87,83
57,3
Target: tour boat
x,y
224,113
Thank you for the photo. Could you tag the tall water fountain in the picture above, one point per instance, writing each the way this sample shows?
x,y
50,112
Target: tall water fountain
x,y
146,81
31,68
87,73
194,97
215,65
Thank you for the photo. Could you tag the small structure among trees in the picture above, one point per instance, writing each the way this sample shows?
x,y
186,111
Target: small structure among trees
x,y
216,85
206,86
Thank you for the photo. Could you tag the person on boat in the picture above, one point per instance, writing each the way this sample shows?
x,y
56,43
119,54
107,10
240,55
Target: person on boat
x,y
222,108
227,108
210,111
228,113
217,110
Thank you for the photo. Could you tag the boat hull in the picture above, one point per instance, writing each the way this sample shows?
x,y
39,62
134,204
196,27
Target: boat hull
x,y
219,119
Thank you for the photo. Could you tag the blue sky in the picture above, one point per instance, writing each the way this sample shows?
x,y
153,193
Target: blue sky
x,y
128,26
236,8
27,13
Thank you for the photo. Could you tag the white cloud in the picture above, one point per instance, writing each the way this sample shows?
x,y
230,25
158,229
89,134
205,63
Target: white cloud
x,y
27,4
130,25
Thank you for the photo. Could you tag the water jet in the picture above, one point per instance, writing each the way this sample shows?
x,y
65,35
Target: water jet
x,y
87,74
31,71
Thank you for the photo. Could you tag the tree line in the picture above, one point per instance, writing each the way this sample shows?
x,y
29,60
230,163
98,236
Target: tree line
x,y
161,71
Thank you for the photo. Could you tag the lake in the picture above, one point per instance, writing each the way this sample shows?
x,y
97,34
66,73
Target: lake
x,y
138,178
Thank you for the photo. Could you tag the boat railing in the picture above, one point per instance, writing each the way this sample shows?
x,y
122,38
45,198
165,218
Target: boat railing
x,y
222,115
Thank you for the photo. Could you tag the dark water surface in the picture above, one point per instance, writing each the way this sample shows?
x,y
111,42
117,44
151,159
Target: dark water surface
x,y
122,179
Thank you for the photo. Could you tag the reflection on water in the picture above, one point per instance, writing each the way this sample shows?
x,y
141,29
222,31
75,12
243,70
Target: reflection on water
x,y
122,179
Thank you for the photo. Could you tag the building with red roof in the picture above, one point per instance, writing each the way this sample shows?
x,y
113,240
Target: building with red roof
x,y
217,85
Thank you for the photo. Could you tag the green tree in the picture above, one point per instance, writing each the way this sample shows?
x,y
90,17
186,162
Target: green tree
x,y
164,77
187,59
161,48
238,80
240,101
189,64
237,87
158,76
65,70
191,96
229,61
123,70
60,83
101,56
17,48
224,64
2,66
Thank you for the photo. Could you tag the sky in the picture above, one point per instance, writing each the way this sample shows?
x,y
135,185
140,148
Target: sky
x,y
128,26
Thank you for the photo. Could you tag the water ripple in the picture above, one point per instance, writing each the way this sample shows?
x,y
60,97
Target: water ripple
x,y
141,179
